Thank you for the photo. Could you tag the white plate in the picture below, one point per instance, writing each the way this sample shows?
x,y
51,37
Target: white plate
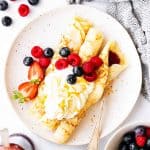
x,y
45,31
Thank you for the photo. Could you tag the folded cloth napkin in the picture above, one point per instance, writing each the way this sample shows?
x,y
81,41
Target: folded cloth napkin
x,y
134,15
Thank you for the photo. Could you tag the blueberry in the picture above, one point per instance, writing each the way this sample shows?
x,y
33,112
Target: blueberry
x,y
140,131
78,71
129,137
48,52
64,52
71,79
133,146
3,5
33,2
28,61
6,21
123,146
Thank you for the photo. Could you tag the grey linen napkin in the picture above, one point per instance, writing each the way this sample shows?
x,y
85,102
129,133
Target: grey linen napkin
x,y
134,15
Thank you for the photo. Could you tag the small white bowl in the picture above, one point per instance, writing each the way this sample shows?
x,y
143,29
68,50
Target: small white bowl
x,y
115,139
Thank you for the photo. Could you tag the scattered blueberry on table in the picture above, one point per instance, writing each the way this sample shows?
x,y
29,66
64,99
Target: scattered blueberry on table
x,y
3,5
33,2
6,21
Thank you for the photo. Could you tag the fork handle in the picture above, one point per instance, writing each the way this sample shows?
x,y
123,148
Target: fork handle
x,y
94,143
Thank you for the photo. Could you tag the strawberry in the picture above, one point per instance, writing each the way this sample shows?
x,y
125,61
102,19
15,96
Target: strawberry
x,y
148,132
74,59
90,77
141,141
44,62
37,51
97,61
61,64
35,73
88,67
26,91
23,10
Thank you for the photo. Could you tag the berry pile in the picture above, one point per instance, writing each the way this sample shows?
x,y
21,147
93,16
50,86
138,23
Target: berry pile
x,y
39,61
42,56
23,10
87,69
138,139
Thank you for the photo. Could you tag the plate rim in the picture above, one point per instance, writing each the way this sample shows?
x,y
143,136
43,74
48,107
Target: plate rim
x,y
55,10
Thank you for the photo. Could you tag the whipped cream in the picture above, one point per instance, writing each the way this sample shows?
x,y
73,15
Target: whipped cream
x,y
62,99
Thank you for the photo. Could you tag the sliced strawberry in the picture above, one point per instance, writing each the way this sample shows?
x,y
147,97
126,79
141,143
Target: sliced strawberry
x,y
35,72
28,90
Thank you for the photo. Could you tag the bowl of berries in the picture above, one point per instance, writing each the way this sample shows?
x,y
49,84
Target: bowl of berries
x,y
134,136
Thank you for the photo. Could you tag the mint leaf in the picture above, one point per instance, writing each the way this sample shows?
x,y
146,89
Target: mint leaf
x,y
18,96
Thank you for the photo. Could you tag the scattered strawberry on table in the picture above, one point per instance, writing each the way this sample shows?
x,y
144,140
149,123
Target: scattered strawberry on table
x,y
136,139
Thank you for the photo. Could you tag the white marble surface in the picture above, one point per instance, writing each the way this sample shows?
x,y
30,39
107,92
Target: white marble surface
x,y
8,118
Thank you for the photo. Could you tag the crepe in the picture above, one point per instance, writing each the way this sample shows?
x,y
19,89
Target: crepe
x,y
75,35
92,44
66,127
89,45
116,66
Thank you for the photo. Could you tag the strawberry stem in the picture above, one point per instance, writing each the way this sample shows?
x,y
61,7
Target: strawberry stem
x,y
35,81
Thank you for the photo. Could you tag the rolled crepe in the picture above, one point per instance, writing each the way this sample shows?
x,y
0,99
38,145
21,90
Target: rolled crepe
x,y
67,126
87,42
118,61
92,44
75,35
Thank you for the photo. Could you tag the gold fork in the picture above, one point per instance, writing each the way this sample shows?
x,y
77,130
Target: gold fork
x,y
94,142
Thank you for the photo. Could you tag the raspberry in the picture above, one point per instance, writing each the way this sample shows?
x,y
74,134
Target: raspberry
x,y
44,62
23,10
88,67
90,77
61,64
74,59
97,61
141,141
148,132
37,52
